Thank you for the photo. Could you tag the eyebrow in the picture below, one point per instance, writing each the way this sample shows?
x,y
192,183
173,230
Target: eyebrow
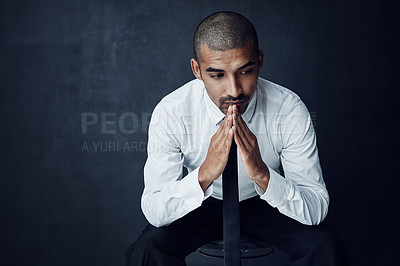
x,y
246,65
211,69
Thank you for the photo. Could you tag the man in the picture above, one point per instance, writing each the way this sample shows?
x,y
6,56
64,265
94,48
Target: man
x,y
281,190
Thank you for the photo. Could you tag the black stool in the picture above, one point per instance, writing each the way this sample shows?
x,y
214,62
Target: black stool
x,y
248,250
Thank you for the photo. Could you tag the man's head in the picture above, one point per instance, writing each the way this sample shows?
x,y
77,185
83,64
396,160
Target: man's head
x,y
227,59
224,31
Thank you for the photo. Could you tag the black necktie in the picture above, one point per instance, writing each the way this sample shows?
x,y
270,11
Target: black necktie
x,y
231,210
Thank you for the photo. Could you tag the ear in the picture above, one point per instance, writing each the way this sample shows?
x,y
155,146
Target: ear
x,y
260,59
195,68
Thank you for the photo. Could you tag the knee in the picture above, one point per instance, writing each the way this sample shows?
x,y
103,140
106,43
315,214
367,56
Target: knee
x,y
138,251
328,243
338,248
128,254
329,239
142,248
318,238
152,243
147,240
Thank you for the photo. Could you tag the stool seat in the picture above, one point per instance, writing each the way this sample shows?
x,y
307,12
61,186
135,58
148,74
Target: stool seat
x,y
248,249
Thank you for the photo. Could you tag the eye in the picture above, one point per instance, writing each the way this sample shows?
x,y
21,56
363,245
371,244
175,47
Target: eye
x,y
217,76
247,71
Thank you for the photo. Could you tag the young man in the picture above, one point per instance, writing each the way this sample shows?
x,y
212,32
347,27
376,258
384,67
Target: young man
x,y
195,126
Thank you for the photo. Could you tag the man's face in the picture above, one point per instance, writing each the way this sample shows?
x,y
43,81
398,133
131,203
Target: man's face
x,y
230,77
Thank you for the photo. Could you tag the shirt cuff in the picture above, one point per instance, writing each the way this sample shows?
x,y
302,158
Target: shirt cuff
x,y
277,191
191,192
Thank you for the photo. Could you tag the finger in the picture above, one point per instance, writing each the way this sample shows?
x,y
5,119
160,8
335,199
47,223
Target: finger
x,y
229,124
240,130
230,137
224,135
235,109
246,130
225,124
250,137
240,119
224,143
239,142
230,109
228,118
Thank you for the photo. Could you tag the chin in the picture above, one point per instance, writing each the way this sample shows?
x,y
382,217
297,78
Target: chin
x,y
223,109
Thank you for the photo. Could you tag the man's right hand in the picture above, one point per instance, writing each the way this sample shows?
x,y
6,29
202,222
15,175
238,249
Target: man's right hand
x,y
218,152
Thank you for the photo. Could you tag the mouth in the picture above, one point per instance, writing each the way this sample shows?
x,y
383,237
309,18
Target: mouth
x,y
230,103
241,105
242,101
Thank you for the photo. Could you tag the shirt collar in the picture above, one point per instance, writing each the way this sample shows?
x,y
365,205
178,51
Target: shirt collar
x,y
215,114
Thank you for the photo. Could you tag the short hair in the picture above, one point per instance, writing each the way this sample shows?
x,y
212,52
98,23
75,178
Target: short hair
x,y
223,31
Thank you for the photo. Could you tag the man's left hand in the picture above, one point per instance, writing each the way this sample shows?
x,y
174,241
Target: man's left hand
x,y
249,151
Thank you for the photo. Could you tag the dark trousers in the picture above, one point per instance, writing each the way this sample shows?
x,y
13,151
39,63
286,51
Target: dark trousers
x,y
266,226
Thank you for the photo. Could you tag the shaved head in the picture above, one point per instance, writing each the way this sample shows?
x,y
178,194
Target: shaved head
x,y
223,31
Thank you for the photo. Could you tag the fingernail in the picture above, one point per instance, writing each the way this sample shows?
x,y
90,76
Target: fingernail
x,y
234,128
229,117
230,131
229,108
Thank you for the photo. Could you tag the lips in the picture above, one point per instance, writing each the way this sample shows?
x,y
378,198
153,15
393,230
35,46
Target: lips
x,y
235,102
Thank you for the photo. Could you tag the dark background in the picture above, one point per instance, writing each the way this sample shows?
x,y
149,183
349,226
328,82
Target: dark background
x,y
62,204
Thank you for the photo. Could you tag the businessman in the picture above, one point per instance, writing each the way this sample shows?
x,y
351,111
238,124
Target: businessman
x,y
282,194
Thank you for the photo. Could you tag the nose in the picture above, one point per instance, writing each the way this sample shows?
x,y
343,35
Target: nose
x,y
234,87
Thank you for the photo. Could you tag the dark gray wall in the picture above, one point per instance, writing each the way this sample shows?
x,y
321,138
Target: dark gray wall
x,y
63,204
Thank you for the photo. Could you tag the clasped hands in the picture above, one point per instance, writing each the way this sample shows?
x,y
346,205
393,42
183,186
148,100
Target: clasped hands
x,y
233,128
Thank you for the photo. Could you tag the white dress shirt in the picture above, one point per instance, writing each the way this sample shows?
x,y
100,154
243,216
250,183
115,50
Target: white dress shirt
x,y
180,131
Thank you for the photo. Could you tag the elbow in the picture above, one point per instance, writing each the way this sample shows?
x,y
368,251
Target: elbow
x,y
153,216
146,209
324,205
317,212
150,218
322,210
154,222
